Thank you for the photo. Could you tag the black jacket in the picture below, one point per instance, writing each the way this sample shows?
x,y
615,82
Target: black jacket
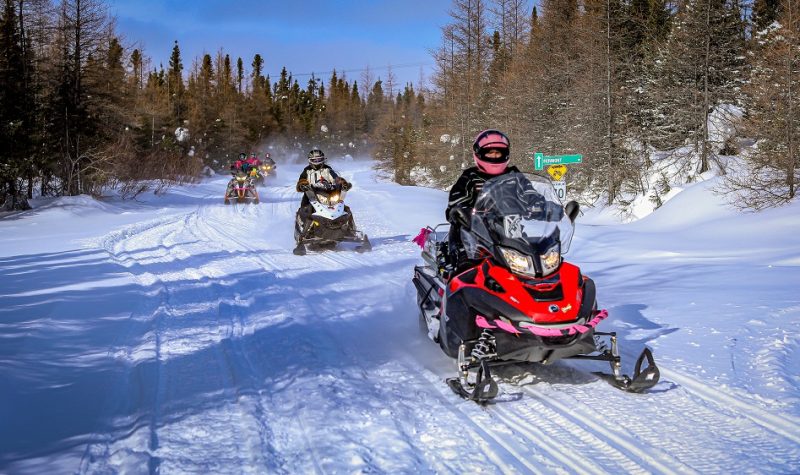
x,y
465,191
311,175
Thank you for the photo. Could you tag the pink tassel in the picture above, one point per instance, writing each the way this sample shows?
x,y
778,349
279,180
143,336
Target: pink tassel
x,y
422,237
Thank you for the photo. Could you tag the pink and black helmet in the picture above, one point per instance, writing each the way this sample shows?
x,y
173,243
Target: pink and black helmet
x,y
491,139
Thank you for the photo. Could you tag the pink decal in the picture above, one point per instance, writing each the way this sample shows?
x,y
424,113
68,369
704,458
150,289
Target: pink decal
x,y
420,239
570,330
581,329
506,326
481,321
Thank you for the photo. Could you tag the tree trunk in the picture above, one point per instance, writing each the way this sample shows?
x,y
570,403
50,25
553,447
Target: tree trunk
x,y
609,112
706,102
790,123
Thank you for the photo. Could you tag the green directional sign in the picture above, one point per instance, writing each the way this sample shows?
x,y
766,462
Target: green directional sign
x,y
541,160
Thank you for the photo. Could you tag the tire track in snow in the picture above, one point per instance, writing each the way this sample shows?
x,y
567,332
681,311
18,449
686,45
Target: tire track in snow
x,y
491,442
124,248
784,425
114,245
577,418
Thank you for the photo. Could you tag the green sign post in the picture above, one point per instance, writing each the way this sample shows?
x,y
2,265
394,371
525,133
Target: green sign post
x,y
541,160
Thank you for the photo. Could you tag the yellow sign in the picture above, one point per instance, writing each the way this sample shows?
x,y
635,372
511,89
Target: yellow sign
x,y
557,171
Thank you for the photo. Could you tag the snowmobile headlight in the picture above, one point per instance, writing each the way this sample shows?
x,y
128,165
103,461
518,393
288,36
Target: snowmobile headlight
x,y
334,198
518,263
551,260
322,199
241,178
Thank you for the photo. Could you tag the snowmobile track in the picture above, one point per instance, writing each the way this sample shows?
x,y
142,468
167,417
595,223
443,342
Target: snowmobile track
x,y
784,425
578,419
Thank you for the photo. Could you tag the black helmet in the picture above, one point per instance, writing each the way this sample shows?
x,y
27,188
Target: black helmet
x,y
242,156
316,157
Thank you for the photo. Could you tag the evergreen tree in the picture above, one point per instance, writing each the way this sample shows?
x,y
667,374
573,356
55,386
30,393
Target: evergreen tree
x,y
765,12
239,75
175,86
773,99
16,120
702,68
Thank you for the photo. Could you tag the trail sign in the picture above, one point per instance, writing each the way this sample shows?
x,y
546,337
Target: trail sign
x,y
561,189
557,172
541,160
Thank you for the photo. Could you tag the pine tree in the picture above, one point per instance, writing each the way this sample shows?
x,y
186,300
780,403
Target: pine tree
x,y
765,12
16,121
239,75
257,74
703,68
176,87
773,99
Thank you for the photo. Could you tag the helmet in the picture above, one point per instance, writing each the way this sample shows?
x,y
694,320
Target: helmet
x,y
487,140
266,155
253,154
242,156
316,157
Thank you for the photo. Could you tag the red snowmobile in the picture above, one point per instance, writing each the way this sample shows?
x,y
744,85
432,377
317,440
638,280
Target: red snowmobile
x,y
511,297
241,188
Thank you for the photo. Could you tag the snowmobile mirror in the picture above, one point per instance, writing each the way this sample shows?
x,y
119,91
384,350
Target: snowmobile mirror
x,y
460,216
572,209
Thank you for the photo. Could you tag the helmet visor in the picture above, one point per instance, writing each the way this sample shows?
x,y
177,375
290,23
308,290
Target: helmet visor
x,y
493,154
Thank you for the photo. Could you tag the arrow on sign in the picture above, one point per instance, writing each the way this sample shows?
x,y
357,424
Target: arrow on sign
x,y
540,160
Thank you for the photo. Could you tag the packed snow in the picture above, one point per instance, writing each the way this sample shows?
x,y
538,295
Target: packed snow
x,y
174,334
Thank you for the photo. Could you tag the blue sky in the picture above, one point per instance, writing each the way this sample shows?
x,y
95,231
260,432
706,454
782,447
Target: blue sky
x,y
305,36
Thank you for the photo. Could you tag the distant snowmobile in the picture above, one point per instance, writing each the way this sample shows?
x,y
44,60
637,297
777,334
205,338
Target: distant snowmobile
x,y
330,223
241,189
514,299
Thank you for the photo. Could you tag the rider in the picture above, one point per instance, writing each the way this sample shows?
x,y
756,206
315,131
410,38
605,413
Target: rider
x,y
491,152
253,160
237,165
316,173
268,160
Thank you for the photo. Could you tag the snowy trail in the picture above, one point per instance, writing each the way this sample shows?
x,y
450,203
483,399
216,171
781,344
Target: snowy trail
x,y
228,354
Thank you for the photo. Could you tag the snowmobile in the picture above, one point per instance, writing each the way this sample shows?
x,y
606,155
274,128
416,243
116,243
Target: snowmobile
x,y
241,188
330,223
511,297
268,169
263,171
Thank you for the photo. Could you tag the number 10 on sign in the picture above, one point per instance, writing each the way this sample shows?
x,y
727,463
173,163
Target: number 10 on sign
x,y
561,189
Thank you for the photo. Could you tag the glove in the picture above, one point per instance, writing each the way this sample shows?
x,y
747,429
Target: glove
x,y
303,185
459,216
343,183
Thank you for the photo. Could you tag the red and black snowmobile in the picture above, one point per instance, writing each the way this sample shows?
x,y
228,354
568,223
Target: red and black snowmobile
x,y
512,298
242,187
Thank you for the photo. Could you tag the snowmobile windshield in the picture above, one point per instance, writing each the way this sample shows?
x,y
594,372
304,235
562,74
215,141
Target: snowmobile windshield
x,y
521,210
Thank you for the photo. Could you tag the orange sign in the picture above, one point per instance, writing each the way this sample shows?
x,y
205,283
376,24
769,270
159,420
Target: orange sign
x,y
557,172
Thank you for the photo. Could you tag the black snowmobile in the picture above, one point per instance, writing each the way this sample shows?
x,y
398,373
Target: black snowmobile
x,y
330,223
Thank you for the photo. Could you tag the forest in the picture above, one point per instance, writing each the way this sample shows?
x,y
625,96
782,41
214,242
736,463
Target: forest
x,y
702,84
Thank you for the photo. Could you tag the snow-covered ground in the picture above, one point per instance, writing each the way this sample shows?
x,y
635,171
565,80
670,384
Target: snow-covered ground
x,y
175,334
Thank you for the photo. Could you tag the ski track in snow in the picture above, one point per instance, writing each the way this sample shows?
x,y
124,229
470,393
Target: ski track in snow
x,y
240,357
